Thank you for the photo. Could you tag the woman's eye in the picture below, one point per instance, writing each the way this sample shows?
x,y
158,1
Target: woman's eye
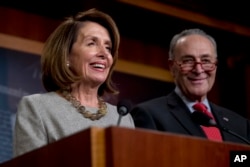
x,y
91,43
108,48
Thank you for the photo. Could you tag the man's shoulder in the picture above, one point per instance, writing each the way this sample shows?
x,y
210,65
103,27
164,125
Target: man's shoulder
x,y
219,107
153,101
159,99
225,111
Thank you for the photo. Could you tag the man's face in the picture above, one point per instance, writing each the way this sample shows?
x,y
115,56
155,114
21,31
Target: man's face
x,y
194,68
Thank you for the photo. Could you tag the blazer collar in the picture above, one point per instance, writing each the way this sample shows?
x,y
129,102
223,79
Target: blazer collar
x,y
182,114
219,116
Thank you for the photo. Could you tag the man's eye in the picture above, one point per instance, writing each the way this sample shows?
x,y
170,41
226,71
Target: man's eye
x,y
188,61
206,61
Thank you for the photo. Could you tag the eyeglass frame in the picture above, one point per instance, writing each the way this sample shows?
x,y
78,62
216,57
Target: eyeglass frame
x,y
195,64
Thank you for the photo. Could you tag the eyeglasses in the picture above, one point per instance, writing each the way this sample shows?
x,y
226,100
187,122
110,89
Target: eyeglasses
x,y
191,64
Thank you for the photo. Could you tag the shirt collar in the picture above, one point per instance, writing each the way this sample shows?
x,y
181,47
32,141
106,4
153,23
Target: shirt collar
x,y
188,102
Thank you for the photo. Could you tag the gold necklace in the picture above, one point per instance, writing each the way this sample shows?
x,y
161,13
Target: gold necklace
x,y
82,110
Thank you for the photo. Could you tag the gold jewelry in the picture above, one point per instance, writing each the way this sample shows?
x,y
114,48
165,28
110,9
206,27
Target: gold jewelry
x,y
82,110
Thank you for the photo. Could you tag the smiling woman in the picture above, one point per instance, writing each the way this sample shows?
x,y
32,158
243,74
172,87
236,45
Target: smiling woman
x,y
154,81
77,62
91,55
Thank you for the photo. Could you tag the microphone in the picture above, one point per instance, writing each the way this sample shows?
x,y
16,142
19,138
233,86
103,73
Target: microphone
x,y
205,120
123,108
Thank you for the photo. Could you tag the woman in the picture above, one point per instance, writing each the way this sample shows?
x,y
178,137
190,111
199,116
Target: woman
x,y
77,63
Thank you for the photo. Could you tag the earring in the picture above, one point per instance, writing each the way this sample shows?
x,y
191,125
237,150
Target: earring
x,y
67,64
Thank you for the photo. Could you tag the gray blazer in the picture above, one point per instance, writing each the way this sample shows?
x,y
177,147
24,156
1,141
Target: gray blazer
x,y
45,118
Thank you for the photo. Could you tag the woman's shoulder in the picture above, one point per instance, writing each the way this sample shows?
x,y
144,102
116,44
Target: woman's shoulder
x,y
47,96
111,106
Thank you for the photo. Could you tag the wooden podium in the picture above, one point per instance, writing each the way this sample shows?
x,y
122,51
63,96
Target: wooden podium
x,y
125,147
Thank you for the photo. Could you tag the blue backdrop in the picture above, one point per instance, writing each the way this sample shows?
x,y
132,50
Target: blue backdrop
x,y
19,75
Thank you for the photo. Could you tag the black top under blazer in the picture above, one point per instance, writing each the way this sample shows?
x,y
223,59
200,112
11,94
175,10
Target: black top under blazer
x,y
170,114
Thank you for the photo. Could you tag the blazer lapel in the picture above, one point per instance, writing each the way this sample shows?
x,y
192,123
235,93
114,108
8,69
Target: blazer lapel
x,y
221,119
182,114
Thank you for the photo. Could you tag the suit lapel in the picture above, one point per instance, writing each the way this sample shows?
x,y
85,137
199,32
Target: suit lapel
x,y
220,118
182,114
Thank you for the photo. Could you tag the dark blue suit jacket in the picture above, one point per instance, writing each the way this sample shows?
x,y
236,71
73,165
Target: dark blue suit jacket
x,y
170,114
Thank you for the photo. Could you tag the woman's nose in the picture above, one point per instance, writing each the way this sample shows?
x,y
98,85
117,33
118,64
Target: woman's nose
x,y
103,52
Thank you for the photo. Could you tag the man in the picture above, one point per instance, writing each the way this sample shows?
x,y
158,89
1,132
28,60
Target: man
x,y
193,64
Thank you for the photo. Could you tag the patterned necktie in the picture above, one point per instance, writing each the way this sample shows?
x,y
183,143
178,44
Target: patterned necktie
x,y
212,133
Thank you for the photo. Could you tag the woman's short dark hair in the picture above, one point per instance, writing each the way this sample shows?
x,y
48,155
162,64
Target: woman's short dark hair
x,y
55,73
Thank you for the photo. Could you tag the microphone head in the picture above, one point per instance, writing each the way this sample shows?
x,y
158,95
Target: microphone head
x,y
203,119
124,106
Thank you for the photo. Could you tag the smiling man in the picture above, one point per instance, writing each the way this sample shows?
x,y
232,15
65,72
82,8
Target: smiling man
x,y
193,64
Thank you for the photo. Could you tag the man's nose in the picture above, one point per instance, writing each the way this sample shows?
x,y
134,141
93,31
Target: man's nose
x,y
198,67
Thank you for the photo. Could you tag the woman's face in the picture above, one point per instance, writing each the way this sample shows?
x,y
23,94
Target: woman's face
x,y
90,55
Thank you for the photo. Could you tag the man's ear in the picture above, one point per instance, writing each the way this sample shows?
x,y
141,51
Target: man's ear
x,y
170,63
171,67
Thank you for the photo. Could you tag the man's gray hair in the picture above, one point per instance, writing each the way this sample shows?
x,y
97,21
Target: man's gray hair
x,y
186,33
